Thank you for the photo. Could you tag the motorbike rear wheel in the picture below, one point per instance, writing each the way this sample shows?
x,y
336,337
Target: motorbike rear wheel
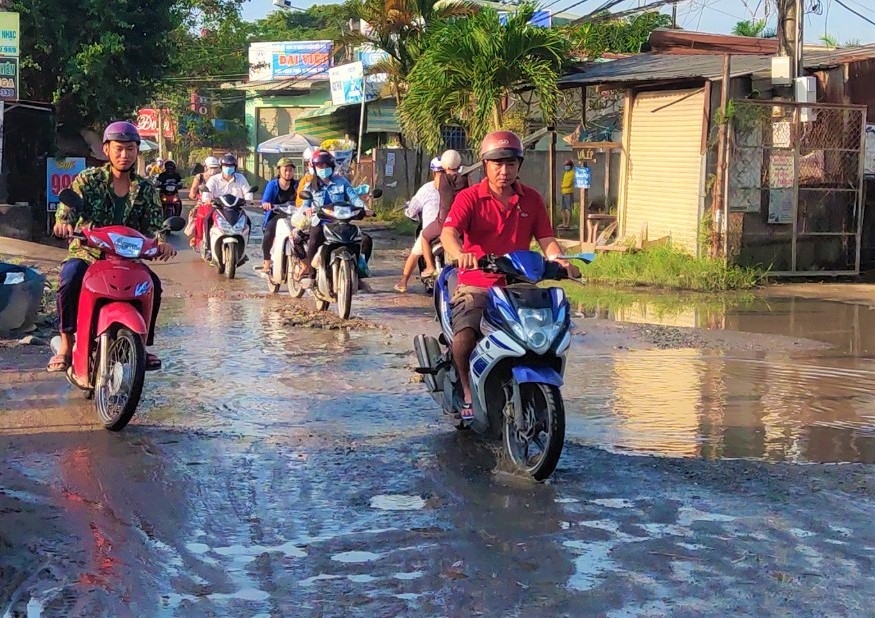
x,y
230,254
117,393
344,289
544,412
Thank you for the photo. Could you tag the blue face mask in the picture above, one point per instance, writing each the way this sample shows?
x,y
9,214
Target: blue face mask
x,y
228,171
324,172
567,168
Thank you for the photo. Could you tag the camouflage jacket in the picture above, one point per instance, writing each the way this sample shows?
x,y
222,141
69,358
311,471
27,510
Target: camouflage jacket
x,y
142,211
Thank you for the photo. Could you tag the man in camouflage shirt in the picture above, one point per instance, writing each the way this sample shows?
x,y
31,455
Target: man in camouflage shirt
x,y
111,195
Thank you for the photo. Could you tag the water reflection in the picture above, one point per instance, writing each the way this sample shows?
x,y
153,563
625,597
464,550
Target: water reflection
x,y
693,403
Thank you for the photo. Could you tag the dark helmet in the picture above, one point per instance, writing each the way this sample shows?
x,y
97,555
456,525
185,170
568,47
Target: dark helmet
x,y
569,162
323,157
169,165
121,131
228,160
501,145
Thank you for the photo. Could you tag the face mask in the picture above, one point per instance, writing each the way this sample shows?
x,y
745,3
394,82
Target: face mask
x,y
567,168
229,171
324,172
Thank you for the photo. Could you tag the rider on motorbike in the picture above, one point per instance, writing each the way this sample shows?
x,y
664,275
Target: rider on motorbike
x,y
113,195
327,188
497,216
280,190
425,204
307,178
448,184
169,173
211,168
228,182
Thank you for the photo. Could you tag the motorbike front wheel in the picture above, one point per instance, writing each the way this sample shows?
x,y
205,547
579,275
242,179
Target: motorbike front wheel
x,y
230,261
535,448
296,290
344,289
118,391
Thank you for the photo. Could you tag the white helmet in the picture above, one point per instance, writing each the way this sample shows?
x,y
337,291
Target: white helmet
x,y
211,162
451,160
308,154
435,165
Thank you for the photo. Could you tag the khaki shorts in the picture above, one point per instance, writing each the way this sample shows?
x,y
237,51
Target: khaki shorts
x,y
417,246
467,306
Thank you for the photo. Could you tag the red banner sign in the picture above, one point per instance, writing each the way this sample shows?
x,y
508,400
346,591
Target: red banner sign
x,y
147,123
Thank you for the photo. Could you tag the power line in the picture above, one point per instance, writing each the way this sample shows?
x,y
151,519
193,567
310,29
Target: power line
x,y
860,15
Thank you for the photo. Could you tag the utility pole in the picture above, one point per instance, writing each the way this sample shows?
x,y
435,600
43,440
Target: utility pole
x,y
790,33
674,15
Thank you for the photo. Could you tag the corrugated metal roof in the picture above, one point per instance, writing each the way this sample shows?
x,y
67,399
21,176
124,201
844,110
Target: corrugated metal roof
x,y
667,67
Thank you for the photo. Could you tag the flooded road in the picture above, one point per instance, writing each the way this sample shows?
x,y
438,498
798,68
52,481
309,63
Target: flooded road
x,y
275,470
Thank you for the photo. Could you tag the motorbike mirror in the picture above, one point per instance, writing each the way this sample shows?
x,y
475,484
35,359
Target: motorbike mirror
x,y
586,258
253,189
197,169
71,198
377,193
175,224
307,195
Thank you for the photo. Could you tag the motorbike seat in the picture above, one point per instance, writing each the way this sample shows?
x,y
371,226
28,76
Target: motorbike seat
x,y
452,282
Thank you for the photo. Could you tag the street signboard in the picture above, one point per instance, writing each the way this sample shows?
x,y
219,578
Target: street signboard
x,y
346,84
289,59
542,19
9,82
10,30
59,176
582,177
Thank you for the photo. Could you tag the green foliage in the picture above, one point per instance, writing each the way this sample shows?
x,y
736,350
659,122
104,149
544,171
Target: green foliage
x,y
672,268
319,22
95,60
756,28
470,65
625,35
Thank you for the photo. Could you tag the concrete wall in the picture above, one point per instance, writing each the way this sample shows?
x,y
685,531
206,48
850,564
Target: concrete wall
x,y
535,172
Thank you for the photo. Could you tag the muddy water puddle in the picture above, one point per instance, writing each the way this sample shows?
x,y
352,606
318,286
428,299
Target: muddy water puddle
x,y
777,406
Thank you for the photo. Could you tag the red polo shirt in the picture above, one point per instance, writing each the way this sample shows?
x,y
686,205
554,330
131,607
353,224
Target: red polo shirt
x,y
487,226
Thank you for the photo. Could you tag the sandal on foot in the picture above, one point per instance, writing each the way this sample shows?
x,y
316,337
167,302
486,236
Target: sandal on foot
x,y
401,289
467,412
427,273
153,363
58,363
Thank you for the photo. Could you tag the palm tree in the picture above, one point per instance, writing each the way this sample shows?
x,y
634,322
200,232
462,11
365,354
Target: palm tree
x,y
398,28
756,28
469,67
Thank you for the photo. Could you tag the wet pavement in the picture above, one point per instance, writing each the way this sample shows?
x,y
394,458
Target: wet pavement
x,y
276,470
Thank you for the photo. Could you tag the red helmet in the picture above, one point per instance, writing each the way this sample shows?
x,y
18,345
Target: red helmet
x,y
322,157
501,145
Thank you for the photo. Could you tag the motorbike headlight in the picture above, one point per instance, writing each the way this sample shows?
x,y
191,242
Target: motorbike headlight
x,y
538,328
241,223
126,246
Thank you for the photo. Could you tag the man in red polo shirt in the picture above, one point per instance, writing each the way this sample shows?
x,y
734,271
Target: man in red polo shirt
x,y
499,215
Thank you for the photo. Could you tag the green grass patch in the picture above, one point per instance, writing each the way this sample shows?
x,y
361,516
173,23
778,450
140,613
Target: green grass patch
x,y
393,215
670,268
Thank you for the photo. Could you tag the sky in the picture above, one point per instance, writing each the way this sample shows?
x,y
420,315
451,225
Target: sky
x,y
703,15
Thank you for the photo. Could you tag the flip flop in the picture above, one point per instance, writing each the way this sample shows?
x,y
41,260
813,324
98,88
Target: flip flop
x,y
153,363
467,412
58,363
401,289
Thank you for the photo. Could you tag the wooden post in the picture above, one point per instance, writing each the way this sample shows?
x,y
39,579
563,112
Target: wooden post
x,y
718,196
162,146
551,163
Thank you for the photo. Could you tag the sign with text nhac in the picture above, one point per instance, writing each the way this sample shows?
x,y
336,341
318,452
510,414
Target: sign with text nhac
x,y
60,174
9,34
289,59
9,83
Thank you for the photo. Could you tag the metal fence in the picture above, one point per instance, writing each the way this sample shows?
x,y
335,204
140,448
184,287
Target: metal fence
x,y
794,186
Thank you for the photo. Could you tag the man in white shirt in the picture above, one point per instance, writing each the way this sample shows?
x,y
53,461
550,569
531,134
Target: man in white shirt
x,y
230,181
426,203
